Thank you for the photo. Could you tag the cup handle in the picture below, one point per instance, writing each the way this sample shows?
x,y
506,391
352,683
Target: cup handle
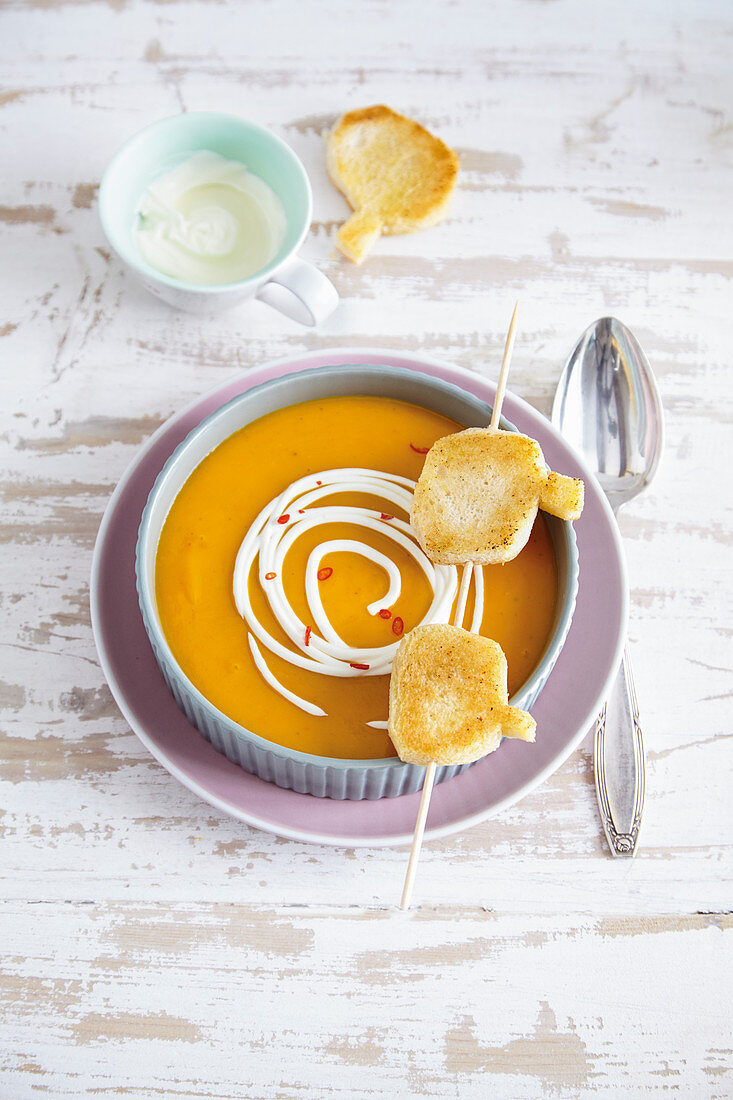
x,y
301,292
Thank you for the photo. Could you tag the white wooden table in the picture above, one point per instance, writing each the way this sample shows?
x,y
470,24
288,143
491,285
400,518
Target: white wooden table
x,y
153,947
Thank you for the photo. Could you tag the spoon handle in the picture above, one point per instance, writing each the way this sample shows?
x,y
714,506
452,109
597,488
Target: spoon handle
x,y
619,764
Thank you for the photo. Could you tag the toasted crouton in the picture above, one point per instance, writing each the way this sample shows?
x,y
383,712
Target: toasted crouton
x,y
448,697
396,175
478,495
563,496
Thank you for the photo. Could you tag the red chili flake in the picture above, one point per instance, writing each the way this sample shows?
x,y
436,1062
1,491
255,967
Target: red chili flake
x,y
301,511
419,450
307,635
398,626
354,664
385,613
386,515
325,573
270,576
284,519
319,483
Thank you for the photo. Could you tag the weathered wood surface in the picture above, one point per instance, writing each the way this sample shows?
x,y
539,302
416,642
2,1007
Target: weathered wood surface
x,y
152,947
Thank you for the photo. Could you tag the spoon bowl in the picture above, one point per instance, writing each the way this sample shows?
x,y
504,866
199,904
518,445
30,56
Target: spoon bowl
x,y
607,406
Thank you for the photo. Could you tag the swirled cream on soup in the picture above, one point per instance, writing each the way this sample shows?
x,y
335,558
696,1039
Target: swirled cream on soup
x,y
287,572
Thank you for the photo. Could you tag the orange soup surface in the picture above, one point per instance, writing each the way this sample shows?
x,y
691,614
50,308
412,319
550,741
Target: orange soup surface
x,y
212,514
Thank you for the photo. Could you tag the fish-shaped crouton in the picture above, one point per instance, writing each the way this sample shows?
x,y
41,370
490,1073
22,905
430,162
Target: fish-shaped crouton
x,y
448,699
478,495
396,174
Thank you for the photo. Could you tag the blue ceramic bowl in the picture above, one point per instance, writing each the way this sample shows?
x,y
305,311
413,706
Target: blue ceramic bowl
x,y
318,775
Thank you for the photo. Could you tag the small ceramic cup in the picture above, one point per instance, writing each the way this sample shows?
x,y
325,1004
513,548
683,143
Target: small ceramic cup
x,y
289,284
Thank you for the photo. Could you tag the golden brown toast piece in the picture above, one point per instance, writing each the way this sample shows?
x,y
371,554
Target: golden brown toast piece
x,y
478,494
448,697
395,174
563,496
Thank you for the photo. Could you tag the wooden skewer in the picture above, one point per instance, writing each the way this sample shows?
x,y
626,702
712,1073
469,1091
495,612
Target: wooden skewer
x,y
493,423
422,813
504,372
429,780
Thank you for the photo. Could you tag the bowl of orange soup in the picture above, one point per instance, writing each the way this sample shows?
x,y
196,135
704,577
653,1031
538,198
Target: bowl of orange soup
x,y
277,572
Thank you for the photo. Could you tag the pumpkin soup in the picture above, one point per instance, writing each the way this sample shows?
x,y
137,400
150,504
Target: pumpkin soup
x,y
287,572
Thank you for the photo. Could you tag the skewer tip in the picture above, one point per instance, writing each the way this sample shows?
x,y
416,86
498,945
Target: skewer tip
x,y
501,384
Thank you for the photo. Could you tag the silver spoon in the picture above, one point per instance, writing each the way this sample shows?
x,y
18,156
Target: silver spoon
x,y
607,406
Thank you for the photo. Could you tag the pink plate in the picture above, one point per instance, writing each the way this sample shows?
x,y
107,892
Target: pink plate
x,y
567,706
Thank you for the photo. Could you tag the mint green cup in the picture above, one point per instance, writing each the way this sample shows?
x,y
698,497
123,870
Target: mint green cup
x,y
287,283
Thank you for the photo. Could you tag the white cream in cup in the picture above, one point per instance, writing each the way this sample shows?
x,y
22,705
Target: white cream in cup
x,y
289,284
210,221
